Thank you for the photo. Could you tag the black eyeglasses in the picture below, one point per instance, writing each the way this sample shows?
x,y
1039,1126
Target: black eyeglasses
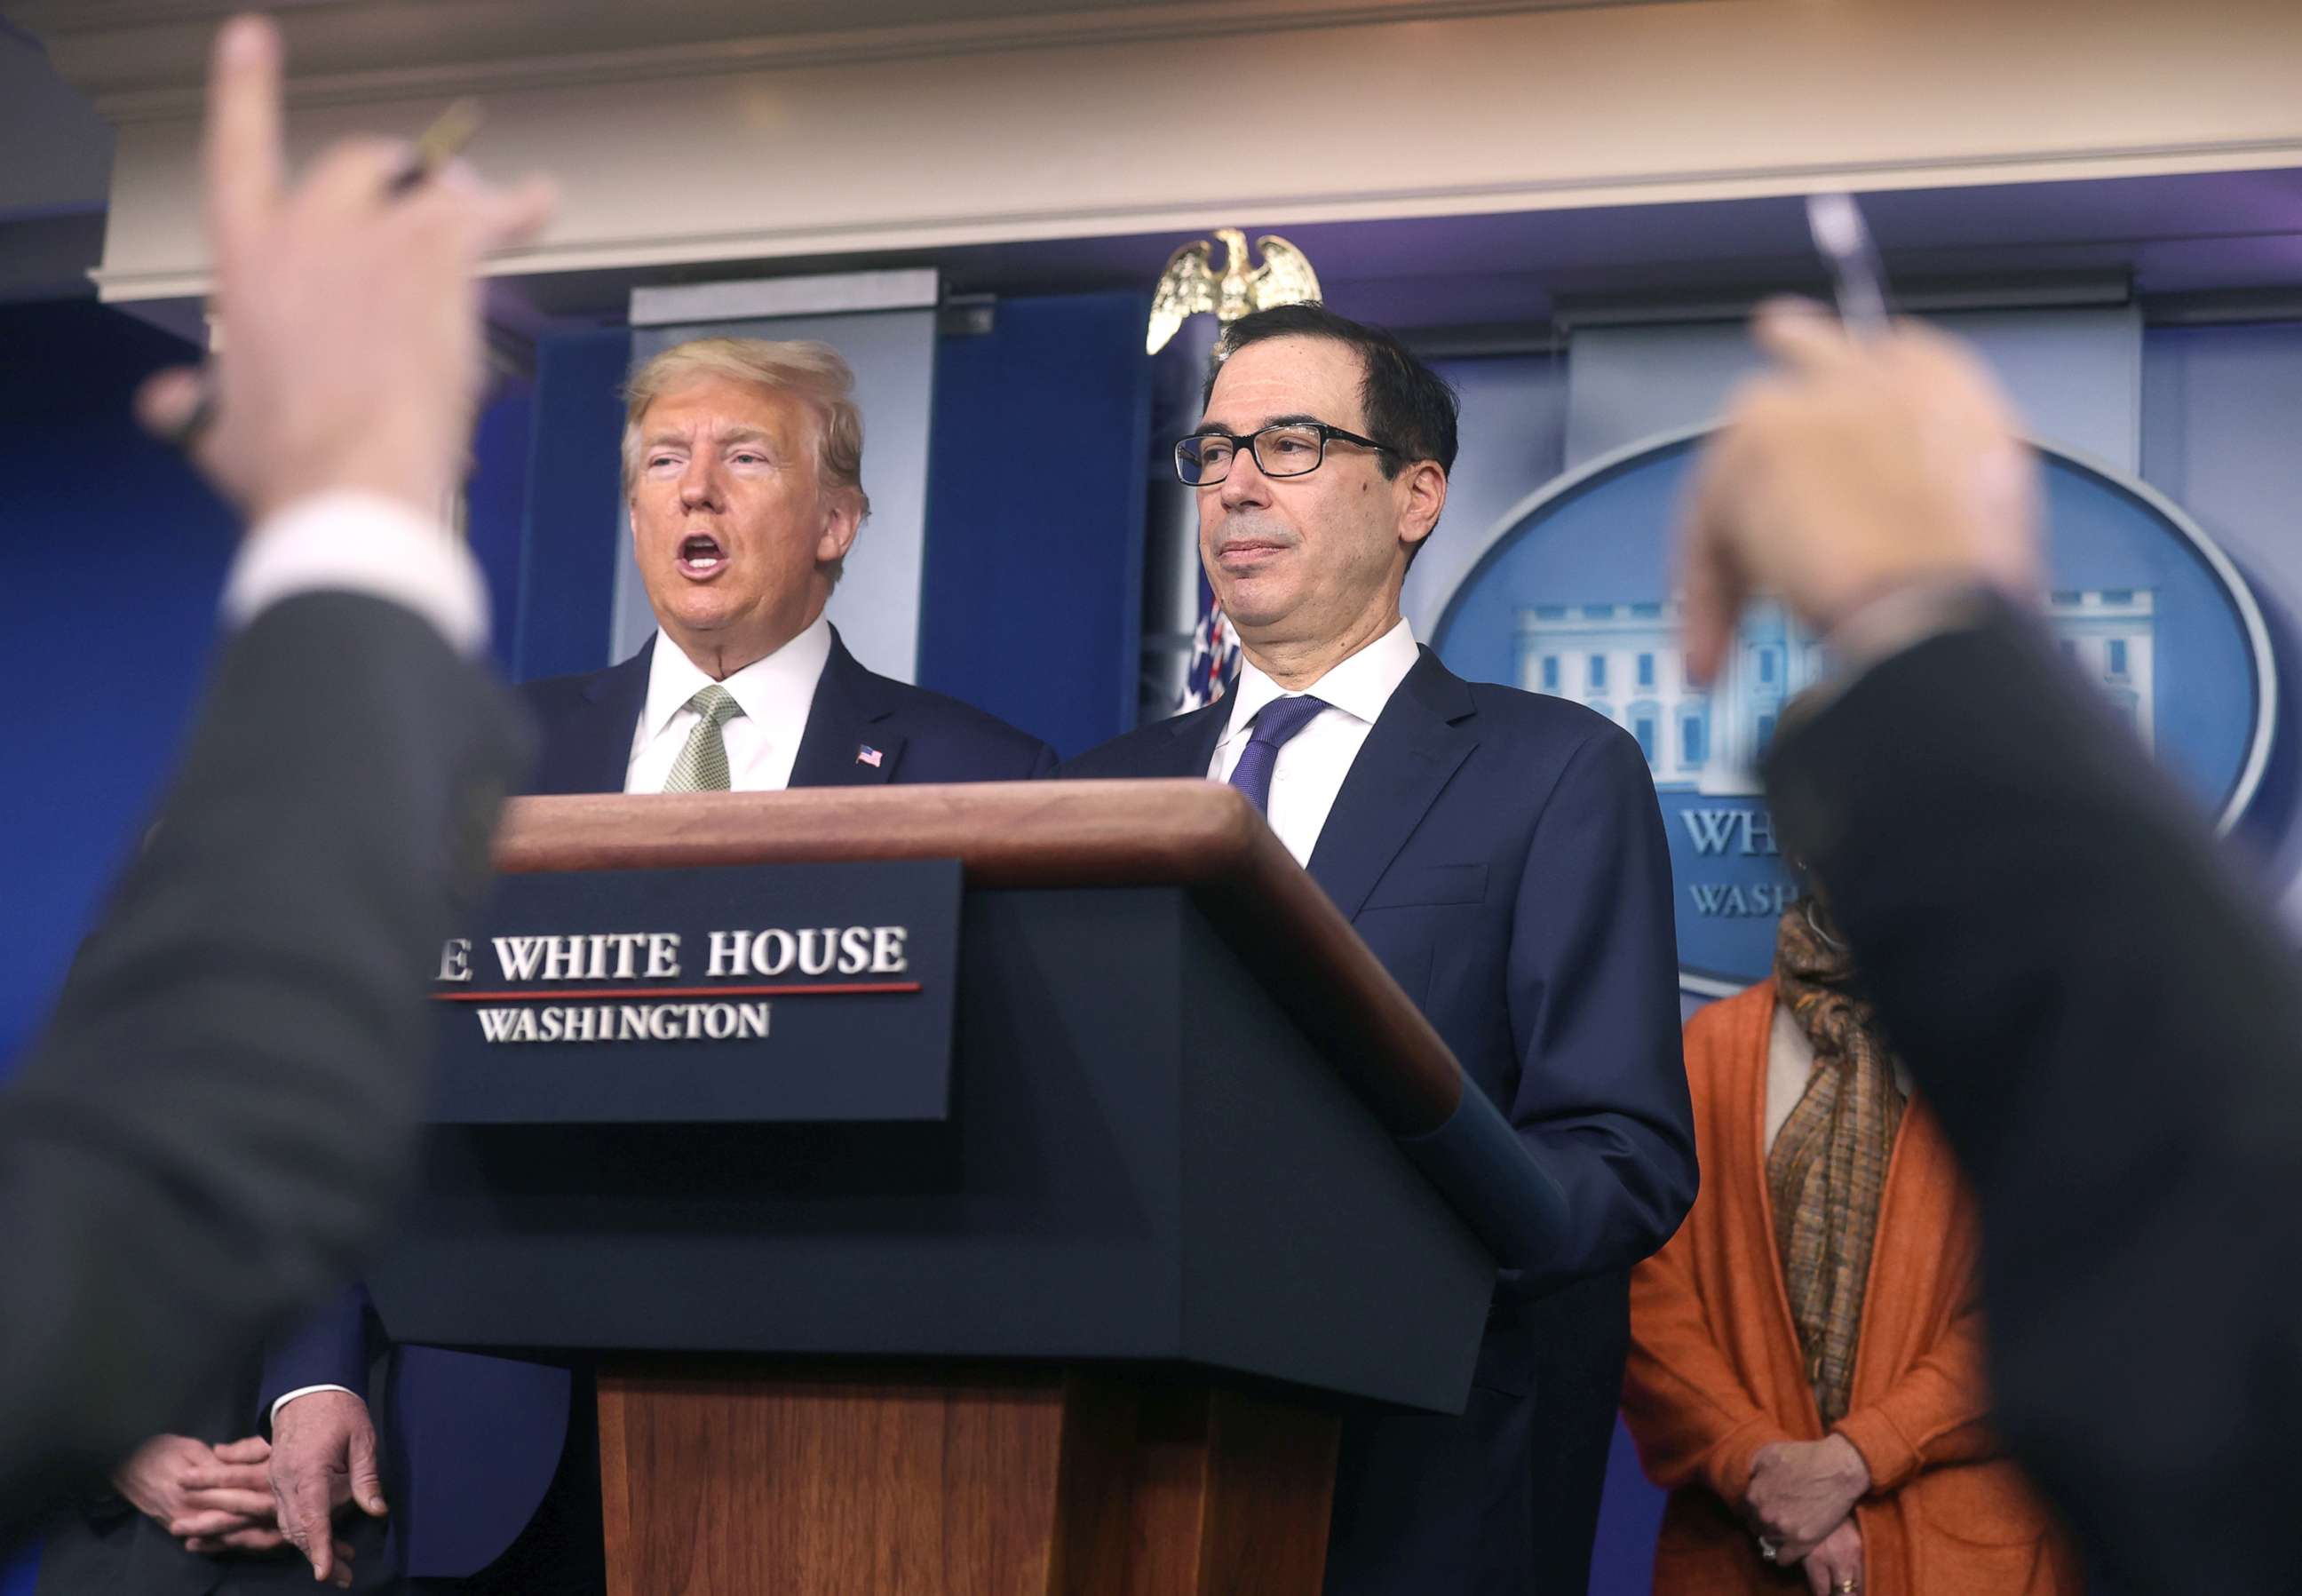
x,y
1289,448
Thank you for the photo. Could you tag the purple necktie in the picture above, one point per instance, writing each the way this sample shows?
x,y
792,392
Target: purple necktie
x,y
1274,724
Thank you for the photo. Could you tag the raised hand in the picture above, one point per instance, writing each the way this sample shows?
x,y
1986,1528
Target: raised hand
x,y
1851,470
352,353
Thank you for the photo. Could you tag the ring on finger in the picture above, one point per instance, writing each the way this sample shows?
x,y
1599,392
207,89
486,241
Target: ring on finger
x,y
1768,1550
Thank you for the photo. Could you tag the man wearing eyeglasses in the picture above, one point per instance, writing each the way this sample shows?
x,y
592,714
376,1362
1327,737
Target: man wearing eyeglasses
x,y
1502,853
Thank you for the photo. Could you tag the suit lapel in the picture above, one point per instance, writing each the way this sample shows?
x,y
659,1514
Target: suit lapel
x,y
851,738
1188,748
596,753
1422,736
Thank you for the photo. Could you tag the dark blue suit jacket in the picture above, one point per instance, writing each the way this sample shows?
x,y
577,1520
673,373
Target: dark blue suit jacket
x,y
474,1442
587,722
1503,854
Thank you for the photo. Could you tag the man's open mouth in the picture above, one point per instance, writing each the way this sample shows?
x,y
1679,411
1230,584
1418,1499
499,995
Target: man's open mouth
x,y
700,556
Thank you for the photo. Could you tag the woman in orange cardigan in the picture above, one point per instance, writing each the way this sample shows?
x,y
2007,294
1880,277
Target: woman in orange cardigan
x,y
1806,1354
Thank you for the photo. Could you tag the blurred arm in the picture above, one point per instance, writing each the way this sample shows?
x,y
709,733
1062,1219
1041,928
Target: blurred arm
x,y
222,1107
2107,1023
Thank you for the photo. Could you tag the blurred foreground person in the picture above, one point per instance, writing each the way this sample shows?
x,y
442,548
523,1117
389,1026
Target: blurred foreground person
x,y
221,1108
2105,1021
1840,1444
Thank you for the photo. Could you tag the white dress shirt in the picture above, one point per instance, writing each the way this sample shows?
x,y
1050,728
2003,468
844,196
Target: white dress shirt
x,y
1311,767
775,692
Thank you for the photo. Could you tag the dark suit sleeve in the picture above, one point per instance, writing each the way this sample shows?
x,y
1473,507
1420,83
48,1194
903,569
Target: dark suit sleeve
x,y
1593,983
2108,1025
224,1104
1043,764
329,1347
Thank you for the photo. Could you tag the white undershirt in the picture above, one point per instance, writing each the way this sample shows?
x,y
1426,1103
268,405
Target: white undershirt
x,y
1312,765
775,692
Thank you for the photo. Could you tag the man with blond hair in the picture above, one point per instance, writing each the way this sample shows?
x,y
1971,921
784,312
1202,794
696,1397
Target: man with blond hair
x,y
743,474
743,477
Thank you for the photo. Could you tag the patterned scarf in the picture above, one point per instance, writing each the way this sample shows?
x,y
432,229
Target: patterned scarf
x,y
1828,1165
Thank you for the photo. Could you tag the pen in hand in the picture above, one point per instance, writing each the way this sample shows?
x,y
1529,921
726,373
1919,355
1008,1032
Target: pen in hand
x,y
1858,280
437,145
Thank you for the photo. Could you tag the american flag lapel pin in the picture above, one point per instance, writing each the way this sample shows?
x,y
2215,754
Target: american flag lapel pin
x,y
865,754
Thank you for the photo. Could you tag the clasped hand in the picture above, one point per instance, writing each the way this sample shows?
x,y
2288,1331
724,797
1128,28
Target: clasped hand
x,y
211,1498
1800,1501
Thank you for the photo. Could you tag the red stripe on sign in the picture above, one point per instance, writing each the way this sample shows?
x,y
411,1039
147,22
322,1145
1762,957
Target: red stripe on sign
x,y
826,989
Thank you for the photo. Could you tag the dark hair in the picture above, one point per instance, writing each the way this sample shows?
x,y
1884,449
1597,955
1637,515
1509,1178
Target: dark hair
x,y
1408,406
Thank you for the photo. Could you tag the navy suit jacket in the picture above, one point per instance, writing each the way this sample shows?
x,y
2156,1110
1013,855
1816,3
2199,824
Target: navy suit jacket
x,y
1503,854
921,736
473,1442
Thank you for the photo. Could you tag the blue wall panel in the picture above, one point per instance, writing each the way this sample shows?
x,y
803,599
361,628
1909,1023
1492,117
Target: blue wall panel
x,y
114,552
495,506
1032,597
574,499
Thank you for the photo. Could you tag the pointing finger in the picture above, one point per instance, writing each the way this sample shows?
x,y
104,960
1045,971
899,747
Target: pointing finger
x,y
244,161
514,216
305,1522
1801,335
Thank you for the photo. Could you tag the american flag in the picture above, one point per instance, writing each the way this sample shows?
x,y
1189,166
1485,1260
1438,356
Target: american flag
x,y
1214,655
865,754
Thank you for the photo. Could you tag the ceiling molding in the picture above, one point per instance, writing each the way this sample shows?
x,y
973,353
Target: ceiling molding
x,y
920,233
2030,290
141,60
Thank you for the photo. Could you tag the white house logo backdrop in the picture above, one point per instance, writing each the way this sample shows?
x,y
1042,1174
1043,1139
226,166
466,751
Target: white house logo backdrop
x,y
1571,597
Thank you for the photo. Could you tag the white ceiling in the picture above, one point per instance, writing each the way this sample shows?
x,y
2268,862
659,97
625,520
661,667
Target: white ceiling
x,y
143,57
2176,235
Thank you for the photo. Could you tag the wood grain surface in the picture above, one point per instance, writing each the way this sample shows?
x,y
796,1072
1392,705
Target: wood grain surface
x,y
818,1479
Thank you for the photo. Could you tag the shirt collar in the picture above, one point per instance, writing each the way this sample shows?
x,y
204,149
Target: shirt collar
x,y
1359,687
775,692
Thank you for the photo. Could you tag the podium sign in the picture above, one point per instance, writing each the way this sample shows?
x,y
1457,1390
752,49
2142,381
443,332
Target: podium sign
x,y
1084,1332
751,994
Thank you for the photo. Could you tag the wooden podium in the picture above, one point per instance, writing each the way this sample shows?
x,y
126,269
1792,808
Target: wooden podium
x,y
1091,1335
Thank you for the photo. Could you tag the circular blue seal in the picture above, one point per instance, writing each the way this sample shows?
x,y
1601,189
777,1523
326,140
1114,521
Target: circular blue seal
x,y
1573,596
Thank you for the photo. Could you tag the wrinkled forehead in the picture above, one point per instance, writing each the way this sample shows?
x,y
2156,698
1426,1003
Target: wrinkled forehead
x,y
1287,379
708,407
